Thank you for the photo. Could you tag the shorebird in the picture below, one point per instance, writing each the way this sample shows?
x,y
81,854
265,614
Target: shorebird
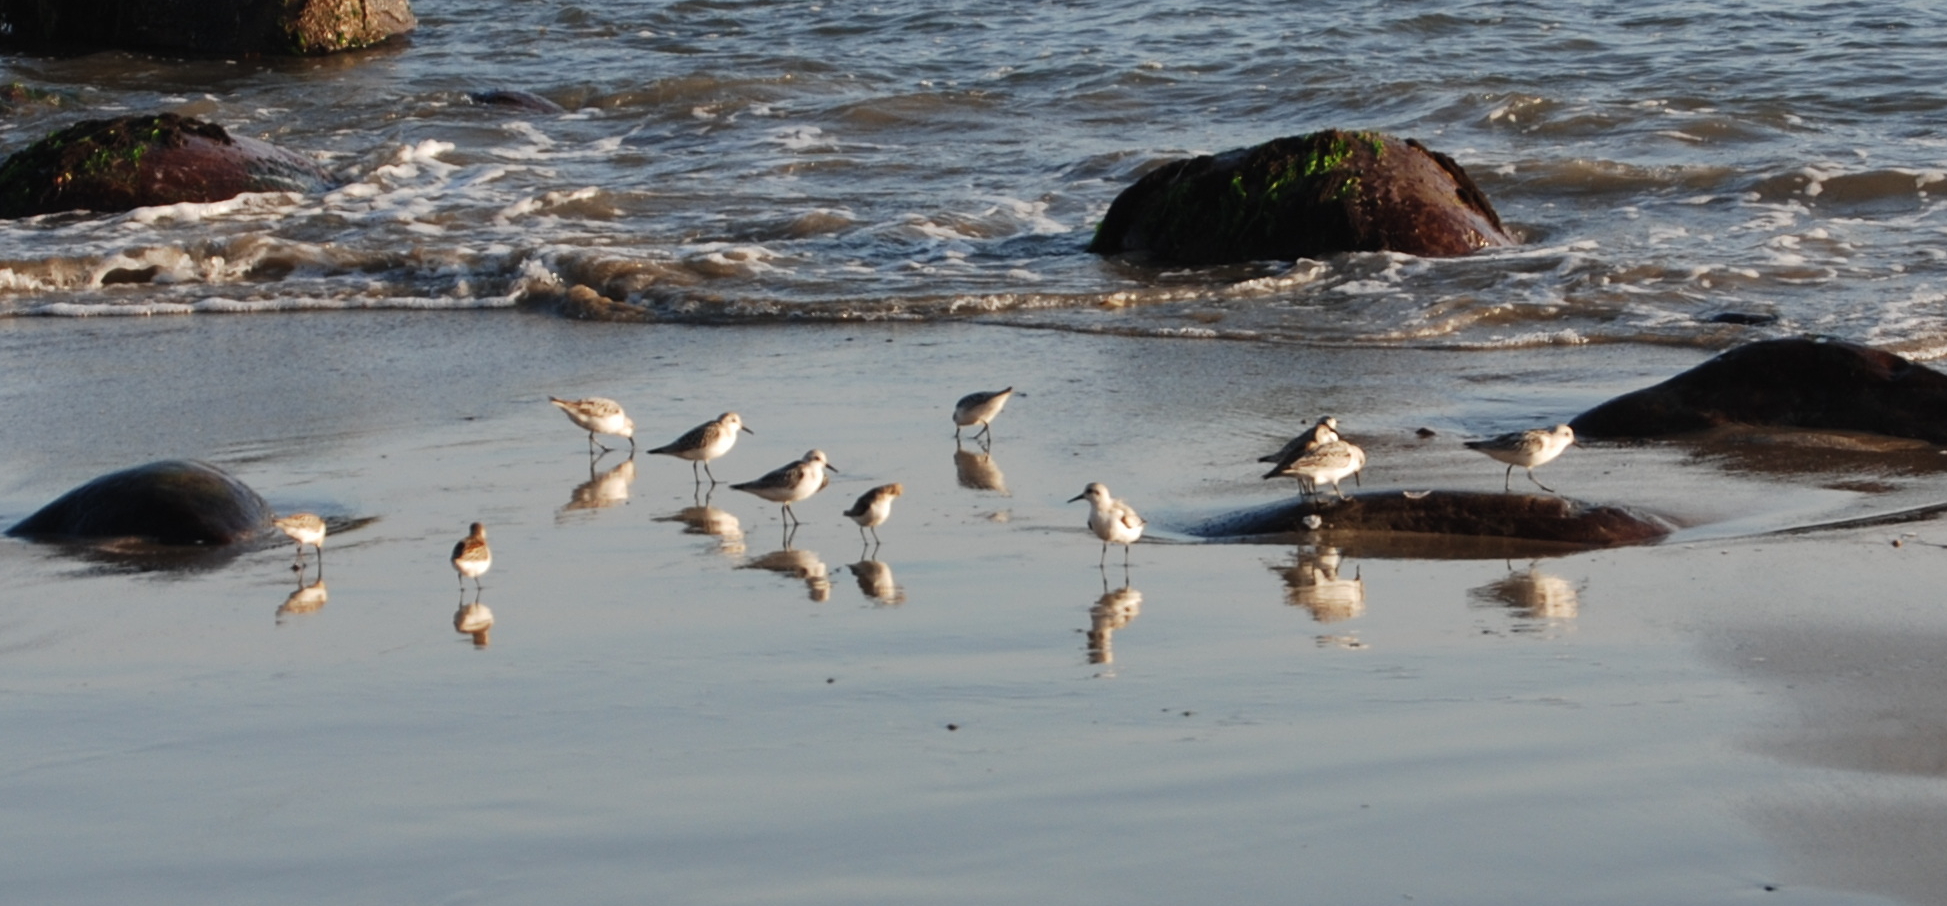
x,y
471,557
979,409
873,508
1324,432
791,483
1332,461
1111,520
304,528
705,442
1527,449
599,415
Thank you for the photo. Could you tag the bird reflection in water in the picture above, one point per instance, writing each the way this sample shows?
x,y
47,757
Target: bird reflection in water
x,y
307,599
603,489
1531,595
704,519
876,583
976,469
798,564
1313,582
1115,609
474,619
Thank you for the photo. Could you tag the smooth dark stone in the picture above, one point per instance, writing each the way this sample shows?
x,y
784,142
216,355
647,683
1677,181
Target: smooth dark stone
x,y
1528,517
172,502
1743,318
138,161
1796,383
519,100
1305,196
270,27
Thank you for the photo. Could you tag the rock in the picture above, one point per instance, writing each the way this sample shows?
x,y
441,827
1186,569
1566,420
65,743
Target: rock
x,y
138,161
1306,196
518,100
172,502
1797,383
1529,517
246,27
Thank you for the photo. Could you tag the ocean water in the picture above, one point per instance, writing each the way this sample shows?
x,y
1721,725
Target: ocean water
x,y
1666,163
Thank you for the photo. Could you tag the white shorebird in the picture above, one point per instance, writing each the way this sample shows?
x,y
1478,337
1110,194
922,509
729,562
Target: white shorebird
x,y
789,484
1333,461
1527,449
1324,432
1111,520
598,415
304,528
979,409
471,557
873,508
705,442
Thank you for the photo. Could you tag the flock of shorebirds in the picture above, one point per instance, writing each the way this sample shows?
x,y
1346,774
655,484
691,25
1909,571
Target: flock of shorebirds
x,y
1317,456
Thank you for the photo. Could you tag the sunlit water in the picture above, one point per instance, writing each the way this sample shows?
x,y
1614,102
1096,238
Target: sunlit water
x,y
1665,162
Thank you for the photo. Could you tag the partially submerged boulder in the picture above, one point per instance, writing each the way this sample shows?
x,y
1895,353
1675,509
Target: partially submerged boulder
x,y
138,161
1528,517
1795,383
1305,196
172,502
269,27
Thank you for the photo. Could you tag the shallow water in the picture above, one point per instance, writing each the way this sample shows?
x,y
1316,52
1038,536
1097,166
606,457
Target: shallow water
x,y
667,703
1668,163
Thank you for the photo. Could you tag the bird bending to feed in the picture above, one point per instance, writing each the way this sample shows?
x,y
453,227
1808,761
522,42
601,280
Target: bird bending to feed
x,y
1111,520
789,484
304,528
1527,449
1324,432
599,415
705,442
471,557
979,409
1332,461
873,508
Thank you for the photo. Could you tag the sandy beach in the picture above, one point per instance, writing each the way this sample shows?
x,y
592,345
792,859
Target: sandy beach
x,y
673,706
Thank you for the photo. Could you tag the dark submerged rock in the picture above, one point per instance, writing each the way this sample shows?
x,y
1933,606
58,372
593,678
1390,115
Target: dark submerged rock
x,y
518,100
1304,196
1528,517
1796,383
173,502
272,27
137,161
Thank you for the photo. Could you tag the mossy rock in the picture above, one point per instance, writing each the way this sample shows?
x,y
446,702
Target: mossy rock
x,y
245,27
172,502
1305,196
138,161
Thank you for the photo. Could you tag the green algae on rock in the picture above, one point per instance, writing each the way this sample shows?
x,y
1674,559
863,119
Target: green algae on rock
x,y
1303,197
138,161
270,27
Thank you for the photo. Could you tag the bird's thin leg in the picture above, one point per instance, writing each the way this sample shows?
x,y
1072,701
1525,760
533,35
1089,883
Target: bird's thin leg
x,y
1537,481
1104,562
875,536
631,446
706,471
1507,480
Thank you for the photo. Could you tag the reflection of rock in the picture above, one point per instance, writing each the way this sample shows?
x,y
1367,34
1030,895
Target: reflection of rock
x,y
1305,196
798,564
474,619
875,581
1314,584
307,599
1799,383
1114,610
1532,595
1497,515
246,27
977,470
139,161
708,520
604,490
172,502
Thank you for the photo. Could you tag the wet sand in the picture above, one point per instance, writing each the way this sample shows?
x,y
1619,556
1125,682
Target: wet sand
x,y
667,706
